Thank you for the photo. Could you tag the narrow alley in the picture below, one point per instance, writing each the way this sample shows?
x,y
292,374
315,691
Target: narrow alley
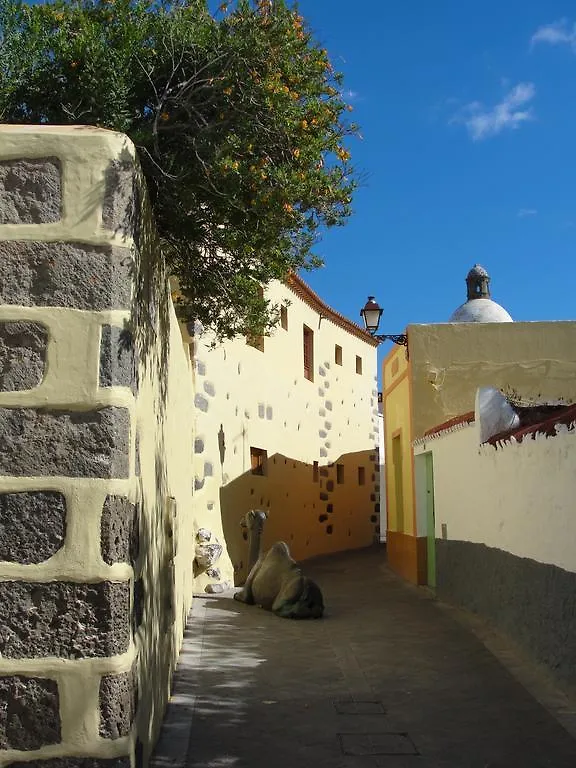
x,y
387,678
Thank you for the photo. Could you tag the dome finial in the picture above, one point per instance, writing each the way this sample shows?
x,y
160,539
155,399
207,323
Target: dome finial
x,y
478,283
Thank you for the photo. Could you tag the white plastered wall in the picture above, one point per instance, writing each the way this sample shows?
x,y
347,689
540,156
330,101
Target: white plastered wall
x,y
518,497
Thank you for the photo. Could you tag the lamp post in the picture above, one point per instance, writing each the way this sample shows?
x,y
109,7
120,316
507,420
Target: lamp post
x,y
371,314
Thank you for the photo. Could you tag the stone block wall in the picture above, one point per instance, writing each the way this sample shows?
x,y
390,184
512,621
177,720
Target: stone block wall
x,y
96,417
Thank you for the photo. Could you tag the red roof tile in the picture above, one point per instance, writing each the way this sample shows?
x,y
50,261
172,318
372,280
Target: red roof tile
x,y
465,418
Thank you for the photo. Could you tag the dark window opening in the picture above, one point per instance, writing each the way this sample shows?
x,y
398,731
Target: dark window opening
x,y
337,354
361,475
284,317
308,346
340,473
358,364
257,340
315,472
258,460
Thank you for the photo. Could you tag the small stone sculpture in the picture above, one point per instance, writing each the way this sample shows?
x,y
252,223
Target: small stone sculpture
x,y
276,583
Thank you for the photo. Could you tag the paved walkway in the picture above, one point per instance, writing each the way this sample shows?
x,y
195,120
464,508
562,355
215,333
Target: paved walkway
x,y
387,679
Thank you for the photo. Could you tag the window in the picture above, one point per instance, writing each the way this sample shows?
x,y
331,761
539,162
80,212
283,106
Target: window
x,y
339,473
337,354
315,472
358,364
308,346
258,460
361,475
257,340
284,317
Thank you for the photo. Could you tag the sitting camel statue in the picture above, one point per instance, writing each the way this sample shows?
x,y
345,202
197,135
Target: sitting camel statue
x,y
276,583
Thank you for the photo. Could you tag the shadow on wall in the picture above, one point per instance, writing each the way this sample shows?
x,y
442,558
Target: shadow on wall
x,y
162,578
316,510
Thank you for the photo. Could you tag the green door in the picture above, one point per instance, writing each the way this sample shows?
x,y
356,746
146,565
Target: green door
x,y
430,521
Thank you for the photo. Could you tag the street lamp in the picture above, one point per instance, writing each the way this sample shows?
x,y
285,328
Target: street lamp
x,y
371,314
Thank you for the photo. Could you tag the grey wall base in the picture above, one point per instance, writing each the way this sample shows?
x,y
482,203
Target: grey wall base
x,y
533,603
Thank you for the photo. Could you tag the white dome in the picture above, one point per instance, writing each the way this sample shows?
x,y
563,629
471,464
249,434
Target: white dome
x,y
480,311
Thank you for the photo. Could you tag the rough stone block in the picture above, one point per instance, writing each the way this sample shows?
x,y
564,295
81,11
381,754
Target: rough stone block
x,y
117,358
73,762
30,712
92,277
208,554
118,701
22,355
69,443
32,525
201,402
64,619
120,203
119,530
30,191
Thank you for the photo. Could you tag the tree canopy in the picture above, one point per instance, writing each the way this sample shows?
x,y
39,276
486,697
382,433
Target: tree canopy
x,y
238,118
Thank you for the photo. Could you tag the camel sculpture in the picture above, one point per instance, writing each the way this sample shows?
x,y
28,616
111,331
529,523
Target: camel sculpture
x,y
276,582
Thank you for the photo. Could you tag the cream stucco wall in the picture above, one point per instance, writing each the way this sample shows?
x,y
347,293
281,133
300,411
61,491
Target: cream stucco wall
x,y
451,360
518,498
159,401
70,382
262,399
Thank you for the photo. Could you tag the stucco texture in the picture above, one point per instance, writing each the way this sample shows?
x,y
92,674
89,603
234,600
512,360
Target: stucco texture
x,y
142,580
249,398
451,361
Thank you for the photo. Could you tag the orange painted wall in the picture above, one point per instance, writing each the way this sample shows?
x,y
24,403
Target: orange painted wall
x,y
312,517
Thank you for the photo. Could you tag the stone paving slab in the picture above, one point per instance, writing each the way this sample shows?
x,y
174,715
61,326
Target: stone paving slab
x,y
387,678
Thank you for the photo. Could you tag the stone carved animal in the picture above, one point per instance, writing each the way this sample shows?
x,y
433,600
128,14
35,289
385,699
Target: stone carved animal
x,y
276,583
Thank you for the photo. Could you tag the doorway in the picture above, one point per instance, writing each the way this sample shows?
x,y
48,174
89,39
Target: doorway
x,y
430,521
398,482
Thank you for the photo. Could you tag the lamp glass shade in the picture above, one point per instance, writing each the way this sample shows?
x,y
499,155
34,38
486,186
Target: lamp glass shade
x,y
371,314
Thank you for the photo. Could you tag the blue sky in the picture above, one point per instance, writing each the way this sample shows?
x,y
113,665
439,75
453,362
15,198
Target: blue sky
x,y
468,118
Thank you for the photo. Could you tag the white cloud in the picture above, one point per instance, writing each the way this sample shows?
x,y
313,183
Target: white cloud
x,y
509,114
558,33
524,212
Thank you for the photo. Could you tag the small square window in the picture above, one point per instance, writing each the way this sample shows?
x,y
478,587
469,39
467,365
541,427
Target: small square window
x,y
340,473
256,341
361,475
337,354
358,364
284,317
258,460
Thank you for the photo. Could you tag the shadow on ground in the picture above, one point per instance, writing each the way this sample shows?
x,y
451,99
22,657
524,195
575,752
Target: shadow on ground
x,y
385,679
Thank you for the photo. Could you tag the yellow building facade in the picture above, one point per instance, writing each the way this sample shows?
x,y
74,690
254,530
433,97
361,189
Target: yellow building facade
x,y
289,424
405,547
